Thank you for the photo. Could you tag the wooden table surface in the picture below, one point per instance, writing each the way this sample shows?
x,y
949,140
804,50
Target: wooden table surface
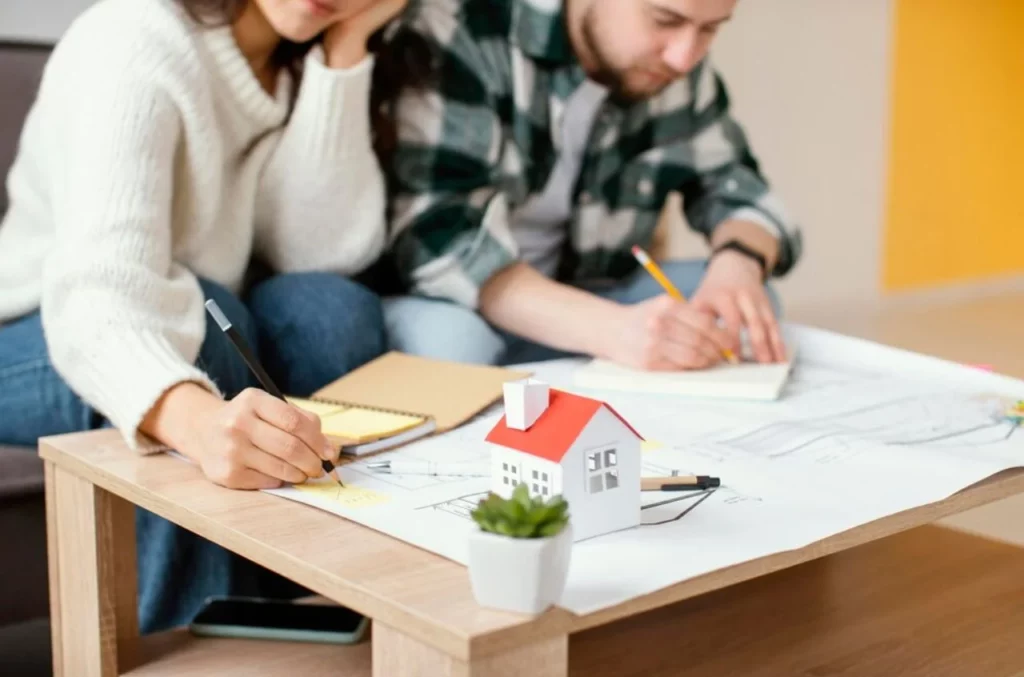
x,y
985,330
911,600
426,621
929,602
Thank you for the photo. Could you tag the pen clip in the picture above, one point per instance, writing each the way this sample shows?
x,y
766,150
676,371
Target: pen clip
x,y
218,315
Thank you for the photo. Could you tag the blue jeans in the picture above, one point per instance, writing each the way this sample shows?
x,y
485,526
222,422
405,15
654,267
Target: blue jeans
x,y
308,329
444,330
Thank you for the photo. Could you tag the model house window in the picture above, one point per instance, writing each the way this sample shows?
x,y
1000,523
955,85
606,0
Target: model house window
x,y
539,483
510,474
602,471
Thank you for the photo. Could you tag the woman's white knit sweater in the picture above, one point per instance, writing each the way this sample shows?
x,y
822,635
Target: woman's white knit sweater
x,y
152,156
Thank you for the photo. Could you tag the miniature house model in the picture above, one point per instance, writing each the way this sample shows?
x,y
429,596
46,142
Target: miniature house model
x,y
560,443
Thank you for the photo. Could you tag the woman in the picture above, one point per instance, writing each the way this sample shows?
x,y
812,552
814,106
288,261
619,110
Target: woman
x,y
174,142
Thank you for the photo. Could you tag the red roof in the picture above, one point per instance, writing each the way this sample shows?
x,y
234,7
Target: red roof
x,y
556,430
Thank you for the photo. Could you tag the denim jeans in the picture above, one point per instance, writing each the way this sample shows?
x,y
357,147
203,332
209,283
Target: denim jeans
x,y
444,330
308,329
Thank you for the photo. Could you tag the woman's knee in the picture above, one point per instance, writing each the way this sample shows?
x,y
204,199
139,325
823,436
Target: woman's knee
x,y
35,401
314,327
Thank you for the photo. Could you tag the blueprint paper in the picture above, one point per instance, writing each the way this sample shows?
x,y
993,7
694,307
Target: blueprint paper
x,y
861,431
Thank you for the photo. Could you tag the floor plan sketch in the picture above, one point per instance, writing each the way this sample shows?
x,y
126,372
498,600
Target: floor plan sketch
x,y
400,481
811,376
461,506
681,506
940,419
793,471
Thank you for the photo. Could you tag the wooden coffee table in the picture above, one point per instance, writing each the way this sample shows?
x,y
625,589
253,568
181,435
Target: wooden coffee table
x,y
891,597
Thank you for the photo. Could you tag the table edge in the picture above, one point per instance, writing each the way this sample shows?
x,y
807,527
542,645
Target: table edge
x,y
559,620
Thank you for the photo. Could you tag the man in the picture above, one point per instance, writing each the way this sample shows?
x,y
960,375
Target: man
x,y
543,151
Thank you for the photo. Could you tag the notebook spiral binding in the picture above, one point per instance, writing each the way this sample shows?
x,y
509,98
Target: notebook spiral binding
x,y
354,405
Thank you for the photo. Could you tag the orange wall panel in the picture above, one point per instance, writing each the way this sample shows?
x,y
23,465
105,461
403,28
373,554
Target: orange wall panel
x,y
955,206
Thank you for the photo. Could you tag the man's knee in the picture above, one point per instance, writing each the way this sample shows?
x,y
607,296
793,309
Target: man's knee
x,y
441,330
321,325
686,274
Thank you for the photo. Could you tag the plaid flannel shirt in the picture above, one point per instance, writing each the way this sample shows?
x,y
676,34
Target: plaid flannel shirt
x,y
482,139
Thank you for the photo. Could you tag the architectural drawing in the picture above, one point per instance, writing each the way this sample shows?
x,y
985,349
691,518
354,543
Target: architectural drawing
x,y
681,506
399,481
931,420
853,410
813,376
461,506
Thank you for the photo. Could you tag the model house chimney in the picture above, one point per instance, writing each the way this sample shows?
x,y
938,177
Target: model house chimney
x,y
525,401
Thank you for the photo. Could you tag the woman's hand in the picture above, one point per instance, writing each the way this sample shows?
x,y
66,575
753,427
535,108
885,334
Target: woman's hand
x,y
257,441
345,41
254,441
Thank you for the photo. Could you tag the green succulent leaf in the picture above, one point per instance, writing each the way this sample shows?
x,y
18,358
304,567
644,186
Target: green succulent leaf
x,y
521,516
551,528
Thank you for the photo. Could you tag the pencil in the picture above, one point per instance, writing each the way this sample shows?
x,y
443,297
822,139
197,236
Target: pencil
x,y
254,365
655,271
680,483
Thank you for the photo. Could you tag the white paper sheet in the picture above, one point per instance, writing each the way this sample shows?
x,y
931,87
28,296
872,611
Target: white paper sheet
x,y
747,380
860,432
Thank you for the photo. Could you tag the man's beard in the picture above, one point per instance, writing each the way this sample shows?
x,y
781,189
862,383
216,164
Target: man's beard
x,y
605,73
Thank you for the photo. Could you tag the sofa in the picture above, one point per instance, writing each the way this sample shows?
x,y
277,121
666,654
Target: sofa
x,y
24,607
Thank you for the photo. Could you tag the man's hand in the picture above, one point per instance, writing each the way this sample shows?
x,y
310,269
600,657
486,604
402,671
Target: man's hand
x,y
733,291
662,334
345,41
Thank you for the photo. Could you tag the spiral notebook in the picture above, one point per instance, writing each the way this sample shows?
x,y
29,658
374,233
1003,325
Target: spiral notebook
x,y
398,398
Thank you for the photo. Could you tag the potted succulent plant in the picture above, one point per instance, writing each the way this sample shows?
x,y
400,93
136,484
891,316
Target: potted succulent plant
x,y
519,558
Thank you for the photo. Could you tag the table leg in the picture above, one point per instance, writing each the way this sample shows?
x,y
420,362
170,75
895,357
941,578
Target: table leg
x,y
91,541
398,655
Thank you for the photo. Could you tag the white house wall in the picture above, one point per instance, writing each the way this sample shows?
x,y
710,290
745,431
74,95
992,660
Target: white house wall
x,y
525,464
595,514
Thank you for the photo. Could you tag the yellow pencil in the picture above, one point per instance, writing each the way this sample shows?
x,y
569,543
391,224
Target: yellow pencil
x,y
651,267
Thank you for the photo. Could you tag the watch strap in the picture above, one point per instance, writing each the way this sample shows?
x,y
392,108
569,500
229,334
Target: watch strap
x,y
749,252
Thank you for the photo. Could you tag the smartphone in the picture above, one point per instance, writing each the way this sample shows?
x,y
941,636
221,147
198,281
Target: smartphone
x,y
256,618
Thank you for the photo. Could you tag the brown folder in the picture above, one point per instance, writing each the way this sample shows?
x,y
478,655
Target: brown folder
x,y
447,393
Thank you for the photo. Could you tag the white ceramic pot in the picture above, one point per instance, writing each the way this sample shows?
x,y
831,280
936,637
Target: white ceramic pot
x,y
523,575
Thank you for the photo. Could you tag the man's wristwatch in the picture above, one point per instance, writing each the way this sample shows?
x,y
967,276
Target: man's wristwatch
x,y
737,246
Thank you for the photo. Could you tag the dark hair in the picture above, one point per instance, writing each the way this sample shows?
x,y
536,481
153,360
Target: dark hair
x,y
403,60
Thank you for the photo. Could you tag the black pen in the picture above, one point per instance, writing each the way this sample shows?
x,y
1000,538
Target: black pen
x,y
254,365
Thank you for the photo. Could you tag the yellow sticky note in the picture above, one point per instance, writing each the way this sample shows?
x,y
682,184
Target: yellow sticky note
x,y
365,424
650,445
348,496
318,408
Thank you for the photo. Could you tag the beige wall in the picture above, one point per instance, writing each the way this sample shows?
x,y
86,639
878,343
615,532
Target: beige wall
x,y
809,81
38,20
